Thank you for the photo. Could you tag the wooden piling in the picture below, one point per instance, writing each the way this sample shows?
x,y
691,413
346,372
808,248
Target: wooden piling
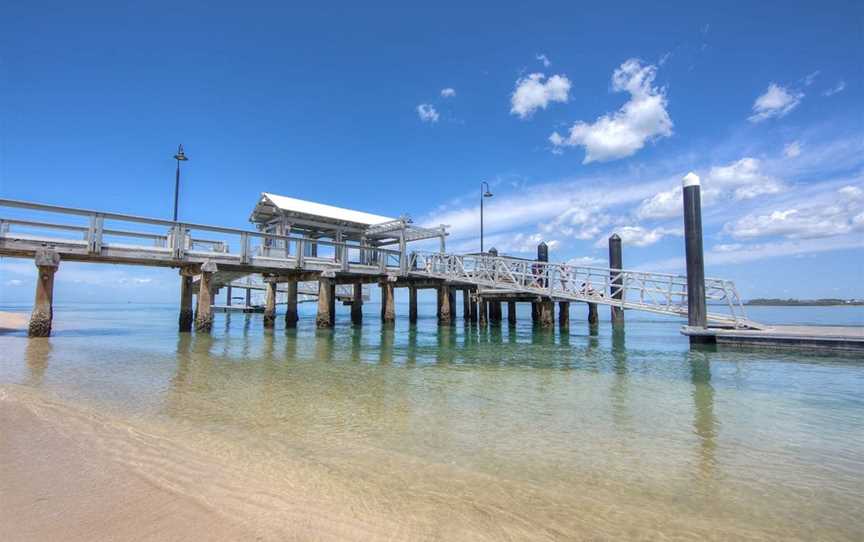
x,y
186,313
270,304
564,315
495,312
472,304
593,319
291,315
388,298
204,311
451,295
42,317
444,314
536,309
412,304
484,311
546,313
511,313
357,305
466,305
325,317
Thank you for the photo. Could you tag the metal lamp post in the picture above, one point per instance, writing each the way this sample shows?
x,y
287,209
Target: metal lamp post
x,y
180,157
483,195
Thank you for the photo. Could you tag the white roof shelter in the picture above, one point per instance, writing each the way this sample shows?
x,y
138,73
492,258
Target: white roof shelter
x,y
321,211
285,215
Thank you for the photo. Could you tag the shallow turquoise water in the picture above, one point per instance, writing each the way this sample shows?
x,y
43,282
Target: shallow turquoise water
x,y
513,432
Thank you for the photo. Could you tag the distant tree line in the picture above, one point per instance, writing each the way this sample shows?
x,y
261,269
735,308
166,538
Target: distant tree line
x,y
826,302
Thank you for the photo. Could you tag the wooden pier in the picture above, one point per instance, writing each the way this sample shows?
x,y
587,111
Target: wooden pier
x,y
327,253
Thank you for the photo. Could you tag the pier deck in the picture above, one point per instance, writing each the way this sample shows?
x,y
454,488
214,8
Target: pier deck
x,y
339,255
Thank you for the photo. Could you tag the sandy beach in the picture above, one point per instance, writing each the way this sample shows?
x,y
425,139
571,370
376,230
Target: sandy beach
x,y
55,488
12,321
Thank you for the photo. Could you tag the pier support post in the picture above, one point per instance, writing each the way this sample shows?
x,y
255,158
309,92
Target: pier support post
x,y
228,294
412,304
248,298
546,313
564,314
444,311
388,299
495,312
204,311
511,313
616,263
451,294
186,313
466,305
357,304
593,318
483,305
47,262
696,310
291,316
536,309
325,317
472,304
270,304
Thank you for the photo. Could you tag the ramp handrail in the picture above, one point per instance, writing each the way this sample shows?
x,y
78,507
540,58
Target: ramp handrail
x,y
662,293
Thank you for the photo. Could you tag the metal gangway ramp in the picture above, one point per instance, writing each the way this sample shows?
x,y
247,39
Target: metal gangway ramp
x,y
659,293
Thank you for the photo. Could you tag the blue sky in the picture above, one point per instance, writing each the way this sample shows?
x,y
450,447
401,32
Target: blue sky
x,y
582,120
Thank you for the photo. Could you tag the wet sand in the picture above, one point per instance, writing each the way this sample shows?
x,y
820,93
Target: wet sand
x,y
54,488
12,321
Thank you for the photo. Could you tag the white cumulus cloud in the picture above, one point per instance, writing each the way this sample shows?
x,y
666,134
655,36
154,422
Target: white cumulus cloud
x,y
841,214
741,180
532,93
839,87
544,59
776,102
792,150
427,113
638,236
448,92
620,134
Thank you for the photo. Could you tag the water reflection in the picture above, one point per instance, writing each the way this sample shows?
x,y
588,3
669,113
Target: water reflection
x,y
704,421
37,352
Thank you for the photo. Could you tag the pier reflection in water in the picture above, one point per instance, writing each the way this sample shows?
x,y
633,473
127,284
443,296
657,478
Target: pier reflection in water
x,y
627,423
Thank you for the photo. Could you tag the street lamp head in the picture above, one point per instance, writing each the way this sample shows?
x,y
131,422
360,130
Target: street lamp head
x,y
487,194
180,156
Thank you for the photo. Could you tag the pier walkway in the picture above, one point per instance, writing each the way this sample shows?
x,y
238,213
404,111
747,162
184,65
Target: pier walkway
x,y
225,255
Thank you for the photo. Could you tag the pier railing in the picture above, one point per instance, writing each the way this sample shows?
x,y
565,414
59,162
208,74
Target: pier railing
x,y
99,236
661,293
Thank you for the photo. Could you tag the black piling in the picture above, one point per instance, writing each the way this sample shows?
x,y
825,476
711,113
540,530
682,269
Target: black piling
x,y
616,263
696,311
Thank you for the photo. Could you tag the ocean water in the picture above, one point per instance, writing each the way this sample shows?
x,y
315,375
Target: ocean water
x,y
460,432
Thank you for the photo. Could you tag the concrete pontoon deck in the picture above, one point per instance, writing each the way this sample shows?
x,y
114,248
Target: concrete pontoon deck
x,y
814,338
